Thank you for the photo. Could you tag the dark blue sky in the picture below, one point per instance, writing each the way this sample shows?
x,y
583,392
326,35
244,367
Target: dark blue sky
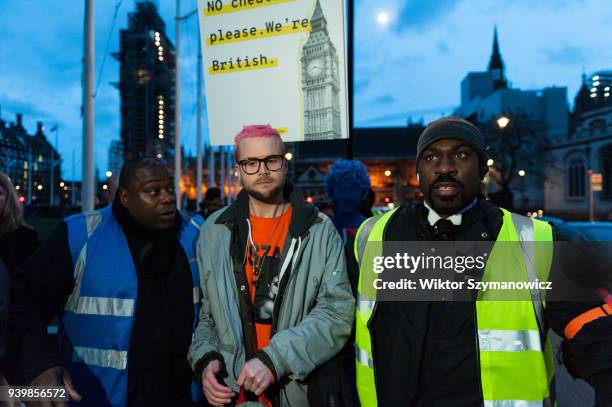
x,y
410,67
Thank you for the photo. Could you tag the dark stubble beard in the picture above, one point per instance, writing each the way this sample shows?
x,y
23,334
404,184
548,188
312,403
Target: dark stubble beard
x,y
269,198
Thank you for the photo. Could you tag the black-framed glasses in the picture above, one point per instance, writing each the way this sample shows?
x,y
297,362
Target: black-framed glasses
x,y
251,166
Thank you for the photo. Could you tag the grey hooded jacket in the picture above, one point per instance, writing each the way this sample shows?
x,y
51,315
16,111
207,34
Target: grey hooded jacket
x,y
313,311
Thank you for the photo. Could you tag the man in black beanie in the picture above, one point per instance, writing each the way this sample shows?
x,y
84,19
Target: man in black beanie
x,y
468,353
455,184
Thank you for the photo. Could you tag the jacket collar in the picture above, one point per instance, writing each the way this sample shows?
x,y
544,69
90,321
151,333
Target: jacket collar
x,y
482,210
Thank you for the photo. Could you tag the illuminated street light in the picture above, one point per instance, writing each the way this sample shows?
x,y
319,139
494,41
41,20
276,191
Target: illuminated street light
x,y
289,156
105,187
490,162
387,173
382,18
62,184
109,174
502,122
39,187
521,173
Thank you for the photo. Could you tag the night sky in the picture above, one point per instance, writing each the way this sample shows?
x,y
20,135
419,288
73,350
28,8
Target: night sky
x,y
408,67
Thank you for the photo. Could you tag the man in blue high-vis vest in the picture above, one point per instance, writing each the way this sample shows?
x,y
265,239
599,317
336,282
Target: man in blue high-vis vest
x,y
125,285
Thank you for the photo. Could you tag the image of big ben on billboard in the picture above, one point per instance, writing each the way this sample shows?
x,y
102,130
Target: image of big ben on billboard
x,y
320,82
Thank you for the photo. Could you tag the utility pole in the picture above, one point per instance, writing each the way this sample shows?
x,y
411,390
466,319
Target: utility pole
x,y
349,64
177,101
222,163
177,107
87,190
211,166
234,175
236,179
30,173
199,137
52,166
73,178
229,176
591,197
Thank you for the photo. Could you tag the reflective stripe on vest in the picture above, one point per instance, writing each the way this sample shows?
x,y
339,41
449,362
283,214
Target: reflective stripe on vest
x,y
509,341
98,315
516,403
100,357
116,307
511,337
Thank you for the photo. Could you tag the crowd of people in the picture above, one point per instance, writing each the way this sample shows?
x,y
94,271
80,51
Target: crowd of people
x,y
266,302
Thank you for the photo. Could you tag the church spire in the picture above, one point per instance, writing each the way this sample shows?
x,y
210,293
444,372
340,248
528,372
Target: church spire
x,y
496,59
496,65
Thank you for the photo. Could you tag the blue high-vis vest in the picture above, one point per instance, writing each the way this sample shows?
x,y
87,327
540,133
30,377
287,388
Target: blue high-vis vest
x,y
99,314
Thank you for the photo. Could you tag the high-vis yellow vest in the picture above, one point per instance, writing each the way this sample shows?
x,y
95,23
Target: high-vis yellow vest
x,y
516,358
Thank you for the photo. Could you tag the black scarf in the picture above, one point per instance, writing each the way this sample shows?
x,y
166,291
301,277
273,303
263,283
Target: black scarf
x,y
153,251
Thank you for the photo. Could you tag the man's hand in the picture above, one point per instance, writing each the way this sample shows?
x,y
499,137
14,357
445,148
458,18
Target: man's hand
x,y
255,376
55,376
216,393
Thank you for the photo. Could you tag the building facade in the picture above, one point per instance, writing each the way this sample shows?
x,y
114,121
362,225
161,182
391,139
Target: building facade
x,y
320,82
389,154
146,85
29,160
486,96
587,147
115,157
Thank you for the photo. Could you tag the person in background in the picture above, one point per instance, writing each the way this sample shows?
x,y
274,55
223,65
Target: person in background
x,y
124,281
211,203
17,240
367,203
347,183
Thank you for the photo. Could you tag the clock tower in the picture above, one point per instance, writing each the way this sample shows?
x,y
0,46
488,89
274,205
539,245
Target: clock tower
x,y
320,82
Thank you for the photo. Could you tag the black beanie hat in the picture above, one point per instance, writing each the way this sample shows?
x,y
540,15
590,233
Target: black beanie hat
x,y
456,128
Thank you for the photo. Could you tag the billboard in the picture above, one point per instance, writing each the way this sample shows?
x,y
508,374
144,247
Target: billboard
x,y
277,62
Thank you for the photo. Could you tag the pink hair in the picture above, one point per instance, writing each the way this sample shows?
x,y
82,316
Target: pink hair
x,y
255,130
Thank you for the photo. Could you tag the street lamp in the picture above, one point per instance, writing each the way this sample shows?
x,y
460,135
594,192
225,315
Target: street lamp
x,y
503,121
490,162
387,173
109,174
382,18
521,173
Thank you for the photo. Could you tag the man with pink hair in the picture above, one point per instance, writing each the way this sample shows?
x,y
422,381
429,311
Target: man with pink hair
x,y
277,304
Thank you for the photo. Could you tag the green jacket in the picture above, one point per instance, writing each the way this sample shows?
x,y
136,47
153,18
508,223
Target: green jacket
x,y
314,308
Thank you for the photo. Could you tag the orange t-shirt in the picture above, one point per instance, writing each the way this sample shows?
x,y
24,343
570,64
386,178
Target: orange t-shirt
x,y
263,267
